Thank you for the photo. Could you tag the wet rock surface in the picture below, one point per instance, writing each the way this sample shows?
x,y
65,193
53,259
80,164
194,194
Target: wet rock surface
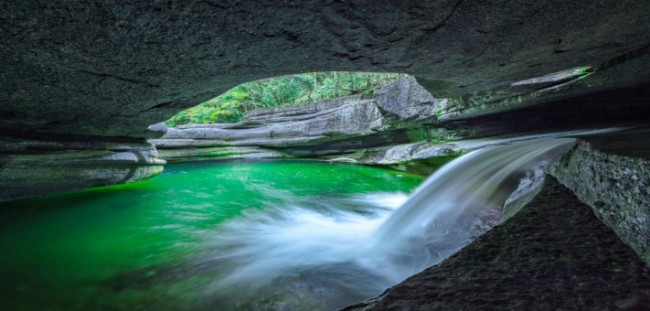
x,y
354,118
421,157
611,173
555,254
218,153
32,167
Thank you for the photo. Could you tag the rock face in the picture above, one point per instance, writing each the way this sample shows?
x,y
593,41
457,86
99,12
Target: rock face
x,y
113,68
408,100
402,127
299,112
615,186
354,118
80,83
398,114
552,255
34,167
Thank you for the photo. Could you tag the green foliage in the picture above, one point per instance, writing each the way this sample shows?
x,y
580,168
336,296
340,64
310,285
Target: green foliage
x,y
281,91
583,70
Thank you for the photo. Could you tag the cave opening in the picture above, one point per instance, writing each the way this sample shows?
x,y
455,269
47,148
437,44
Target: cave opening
x,y
529,117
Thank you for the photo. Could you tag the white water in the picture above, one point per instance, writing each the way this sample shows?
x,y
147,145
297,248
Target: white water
x,y
277,241
390,238
465,187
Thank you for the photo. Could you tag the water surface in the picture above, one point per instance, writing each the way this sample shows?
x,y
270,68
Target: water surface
x,y
276,235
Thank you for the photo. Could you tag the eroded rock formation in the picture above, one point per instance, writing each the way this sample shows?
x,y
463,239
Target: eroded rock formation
x,y
554,254
110,69
34,167
81,82
611,174
400,112
113,68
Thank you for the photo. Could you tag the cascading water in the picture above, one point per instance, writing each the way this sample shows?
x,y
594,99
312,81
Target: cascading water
x,y
256,235
465,187
365,251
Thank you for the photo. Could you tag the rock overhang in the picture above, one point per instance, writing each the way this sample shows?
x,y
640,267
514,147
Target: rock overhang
x,y
112,69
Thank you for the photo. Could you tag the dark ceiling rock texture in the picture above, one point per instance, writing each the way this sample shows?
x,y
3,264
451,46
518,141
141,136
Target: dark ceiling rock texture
x,y
111,68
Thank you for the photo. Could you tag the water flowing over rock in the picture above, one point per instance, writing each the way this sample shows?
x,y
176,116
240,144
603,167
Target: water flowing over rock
x,y
73,70
81,83
468,185
554,254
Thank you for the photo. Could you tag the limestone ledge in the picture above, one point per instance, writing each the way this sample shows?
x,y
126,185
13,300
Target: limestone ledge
x,y
30,168
400,105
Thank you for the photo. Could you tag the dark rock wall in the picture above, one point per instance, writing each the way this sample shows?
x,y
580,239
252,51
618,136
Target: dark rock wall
x,y
615,186
97,74
552,255
621,107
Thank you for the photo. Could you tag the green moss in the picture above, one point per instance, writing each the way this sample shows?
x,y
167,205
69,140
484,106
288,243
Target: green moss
x,y
583,70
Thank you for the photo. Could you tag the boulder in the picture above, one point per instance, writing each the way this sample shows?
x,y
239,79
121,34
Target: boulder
x,y
548,251
408,100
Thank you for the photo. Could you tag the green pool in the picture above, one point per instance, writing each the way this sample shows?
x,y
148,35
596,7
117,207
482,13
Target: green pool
x,y
187,238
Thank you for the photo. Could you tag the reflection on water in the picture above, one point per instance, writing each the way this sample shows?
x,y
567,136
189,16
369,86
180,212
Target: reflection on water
x,y
163,244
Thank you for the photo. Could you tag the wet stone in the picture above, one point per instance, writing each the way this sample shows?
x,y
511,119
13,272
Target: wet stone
x,y
552,255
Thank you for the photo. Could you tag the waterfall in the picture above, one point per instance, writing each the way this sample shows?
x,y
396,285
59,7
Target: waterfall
x,y
355,247
461,190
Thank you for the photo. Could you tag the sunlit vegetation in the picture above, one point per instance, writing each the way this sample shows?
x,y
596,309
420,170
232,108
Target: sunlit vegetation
x,y
282,91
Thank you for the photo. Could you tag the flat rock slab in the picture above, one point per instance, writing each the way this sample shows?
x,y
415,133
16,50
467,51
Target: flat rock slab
x,y
553,255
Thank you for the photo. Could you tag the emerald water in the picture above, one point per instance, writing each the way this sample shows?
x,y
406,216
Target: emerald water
x,y
276,235
283,235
